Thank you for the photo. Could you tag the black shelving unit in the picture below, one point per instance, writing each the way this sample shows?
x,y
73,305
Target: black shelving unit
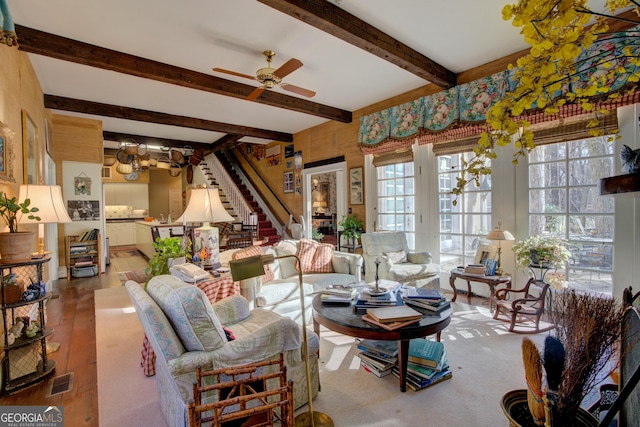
x,y
25,359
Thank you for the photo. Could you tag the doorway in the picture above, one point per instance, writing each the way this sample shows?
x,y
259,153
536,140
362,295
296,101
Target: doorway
x,y
325,198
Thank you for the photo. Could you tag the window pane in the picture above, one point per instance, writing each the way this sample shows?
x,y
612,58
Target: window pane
x,y
590,171
547,175
547,153
553,200
588,200
476,201
552,225
591,227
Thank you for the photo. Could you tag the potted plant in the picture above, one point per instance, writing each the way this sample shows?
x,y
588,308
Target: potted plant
x,y
16,245
351,226
316,234
547,251
167,250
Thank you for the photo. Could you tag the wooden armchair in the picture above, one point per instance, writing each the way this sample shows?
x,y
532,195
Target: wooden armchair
x,y
520,305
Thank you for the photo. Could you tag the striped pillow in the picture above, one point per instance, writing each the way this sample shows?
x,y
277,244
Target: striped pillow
x,y
315,257
253,251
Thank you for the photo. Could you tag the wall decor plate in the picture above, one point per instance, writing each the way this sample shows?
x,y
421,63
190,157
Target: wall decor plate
x,y
131,176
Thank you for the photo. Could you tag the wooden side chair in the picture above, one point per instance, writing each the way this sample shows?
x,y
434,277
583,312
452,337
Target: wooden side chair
x,y
518,306
243,393
239,239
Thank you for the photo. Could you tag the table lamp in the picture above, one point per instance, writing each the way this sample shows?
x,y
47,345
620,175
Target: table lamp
x,y
247,268
499,235
205,207
48,200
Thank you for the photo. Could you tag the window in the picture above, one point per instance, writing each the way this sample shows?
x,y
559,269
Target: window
x,y
464,225
396,199
564,201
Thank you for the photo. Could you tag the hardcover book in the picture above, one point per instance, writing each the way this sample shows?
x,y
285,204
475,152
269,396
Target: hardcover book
x,y
421,293
426,352
399,313
387,348
390,326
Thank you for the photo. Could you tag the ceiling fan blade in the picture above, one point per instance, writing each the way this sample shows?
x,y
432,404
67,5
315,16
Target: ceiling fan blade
x,y
288,67
256,93
233,73
299,90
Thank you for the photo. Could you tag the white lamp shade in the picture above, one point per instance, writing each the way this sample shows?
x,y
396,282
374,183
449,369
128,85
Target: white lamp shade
x,y
48,200
500,235
205,206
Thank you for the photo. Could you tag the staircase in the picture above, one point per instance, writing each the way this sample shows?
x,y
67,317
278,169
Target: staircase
x,y
240,211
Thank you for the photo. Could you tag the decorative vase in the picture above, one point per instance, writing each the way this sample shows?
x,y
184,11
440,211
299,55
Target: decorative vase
x,y
536,259
16,247
516,409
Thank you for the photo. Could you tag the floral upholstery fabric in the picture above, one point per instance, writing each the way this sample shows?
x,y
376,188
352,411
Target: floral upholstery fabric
x,y
189,311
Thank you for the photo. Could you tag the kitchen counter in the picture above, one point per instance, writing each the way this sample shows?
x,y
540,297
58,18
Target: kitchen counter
x,y
124,219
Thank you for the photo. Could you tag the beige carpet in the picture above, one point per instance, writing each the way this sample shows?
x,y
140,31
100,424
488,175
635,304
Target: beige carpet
x,y
485,359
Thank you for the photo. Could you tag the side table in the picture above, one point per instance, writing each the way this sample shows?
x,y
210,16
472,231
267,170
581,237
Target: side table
x,y
492,281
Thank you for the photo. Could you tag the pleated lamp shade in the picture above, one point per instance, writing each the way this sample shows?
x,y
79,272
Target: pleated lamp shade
x,y
48,200
205,206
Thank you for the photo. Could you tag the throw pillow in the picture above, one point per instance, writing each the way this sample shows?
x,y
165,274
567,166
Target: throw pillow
x,y
253,251
340,264
229,334
315,257
398,257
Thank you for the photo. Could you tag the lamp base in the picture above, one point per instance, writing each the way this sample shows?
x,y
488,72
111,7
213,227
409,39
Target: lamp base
x,y
319,420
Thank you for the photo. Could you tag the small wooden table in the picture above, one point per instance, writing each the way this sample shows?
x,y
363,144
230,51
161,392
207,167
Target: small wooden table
x,y
341,318
492,281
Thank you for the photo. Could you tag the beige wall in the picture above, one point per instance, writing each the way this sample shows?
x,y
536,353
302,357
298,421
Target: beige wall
x,y
160,182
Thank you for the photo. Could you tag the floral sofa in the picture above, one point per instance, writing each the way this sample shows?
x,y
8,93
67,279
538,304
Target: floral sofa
x,y
278,291
186,331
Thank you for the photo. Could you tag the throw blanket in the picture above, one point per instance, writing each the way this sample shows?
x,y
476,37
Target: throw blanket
x,y
215,289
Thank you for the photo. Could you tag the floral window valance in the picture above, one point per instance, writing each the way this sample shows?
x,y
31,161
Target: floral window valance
x,y
459,113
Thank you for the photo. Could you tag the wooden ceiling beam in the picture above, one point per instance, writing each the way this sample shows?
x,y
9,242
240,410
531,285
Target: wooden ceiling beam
x,y
51,45
107,110
339,23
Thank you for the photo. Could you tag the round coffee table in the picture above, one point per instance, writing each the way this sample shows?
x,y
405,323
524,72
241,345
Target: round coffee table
x,y
341,318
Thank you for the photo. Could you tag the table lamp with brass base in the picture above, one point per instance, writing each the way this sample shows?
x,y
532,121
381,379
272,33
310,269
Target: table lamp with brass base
x,y
499,235
247,268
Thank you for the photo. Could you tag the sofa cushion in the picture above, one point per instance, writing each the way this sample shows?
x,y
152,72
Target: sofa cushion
x,y
189,311
315,257
287,266
398,257
340,264
404,272
287,289
254,251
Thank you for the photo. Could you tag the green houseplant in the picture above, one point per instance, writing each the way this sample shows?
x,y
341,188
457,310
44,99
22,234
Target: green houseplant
x,y
16,245
549,251
351,226
167,249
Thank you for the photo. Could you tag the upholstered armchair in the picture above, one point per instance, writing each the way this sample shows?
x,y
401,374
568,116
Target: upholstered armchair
x,y
397,262
186,331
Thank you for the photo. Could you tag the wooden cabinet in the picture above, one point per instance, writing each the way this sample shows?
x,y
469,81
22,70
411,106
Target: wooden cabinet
x,y
25,357
121,233
136,195
83,253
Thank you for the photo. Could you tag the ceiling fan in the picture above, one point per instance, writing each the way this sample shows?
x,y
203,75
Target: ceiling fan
x,y
270,77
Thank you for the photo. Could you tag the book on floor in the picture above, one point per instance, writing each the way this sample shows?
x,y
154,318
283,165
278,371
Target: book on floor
x,y
417,384
426,352
383,347
378,373
390,326
398,313
379,363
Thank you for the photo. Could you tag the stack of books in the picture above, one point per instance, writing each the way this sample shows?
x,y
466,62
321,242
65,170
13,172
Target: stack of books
x,y
426,301
338,294
83,262
365,300
475,269
427,364
392,317
378,357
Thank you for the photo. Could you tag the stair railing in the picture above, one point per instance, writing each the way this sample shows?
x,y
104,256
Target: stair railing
x,y
230,189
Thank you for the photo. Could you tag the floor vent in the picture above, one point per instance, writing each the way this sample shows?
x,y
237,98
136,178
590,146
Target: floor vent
x,y
60,384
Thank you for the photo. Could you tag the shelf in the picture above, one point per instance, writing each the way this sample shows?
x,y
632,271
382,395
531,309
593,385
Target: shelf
x,y
23,303
40,373
621,184
22,341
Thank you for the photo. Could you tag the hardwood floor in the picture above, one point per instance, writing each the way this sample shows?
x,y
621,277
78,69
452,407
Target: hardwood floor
x,y
71,313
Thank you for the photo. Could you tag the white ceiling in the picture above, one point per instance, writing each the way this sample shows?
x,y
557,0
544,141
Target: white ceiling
x,y
201,34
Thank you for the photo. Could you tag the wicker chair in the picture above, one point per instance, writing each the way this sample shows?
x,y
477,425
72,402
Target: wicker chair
x,y
518,306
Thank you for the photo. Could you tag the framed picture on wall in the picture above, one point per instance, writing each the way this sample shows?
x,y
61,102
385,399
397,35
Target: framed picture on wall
x,y
29,149
83,210
6,153
356,191
288,182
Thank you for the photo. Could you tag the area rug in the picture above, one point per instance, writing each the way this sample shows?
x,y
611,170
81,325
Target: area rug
x,y
136,275
485,358
123,253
